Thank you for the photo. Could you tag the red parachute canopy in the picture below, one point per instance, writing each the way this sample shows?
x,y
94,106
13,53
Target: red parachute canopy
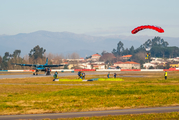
x,y
137,29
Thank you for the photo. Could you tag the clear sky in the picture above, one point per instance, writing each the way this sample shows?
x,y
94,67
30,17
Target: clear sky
x,y
91,17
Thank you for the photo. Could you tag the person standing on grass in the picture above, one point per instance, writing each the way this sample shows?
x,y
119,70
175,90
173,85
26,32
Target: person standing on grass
x,y
56,75
115,75
165,74
108,74
79,73
83,75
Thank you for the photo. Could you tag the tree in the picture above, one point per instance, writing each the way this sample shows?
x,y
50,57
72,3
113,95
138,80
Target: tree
x,y
114,51
37,52
125,52
16,53
0,62
108,58
131,50
75,56
88,57
5,59
6,54
147,44
120,48
139,56
103,52
155,42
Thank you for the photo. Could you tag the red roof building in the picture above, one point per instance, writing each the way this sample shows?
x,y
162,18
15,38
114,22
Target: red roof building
x,y
95,57
126,57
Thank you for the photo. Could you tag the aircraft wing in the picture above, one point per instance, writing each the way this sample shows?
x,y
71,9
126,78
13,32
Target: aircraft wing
x,y
30,65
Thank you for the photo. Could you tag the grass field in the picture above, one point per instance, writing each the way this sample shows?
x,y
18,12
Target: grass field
x,y
42,95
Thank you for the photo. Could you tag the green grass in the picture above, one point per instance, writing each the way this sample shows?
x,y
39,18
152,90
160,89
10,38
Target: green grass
x,y
87,96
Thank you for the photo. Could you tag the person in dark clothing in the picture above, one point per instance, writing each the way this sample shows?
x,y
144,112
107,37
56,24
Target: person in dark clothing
x,y
56,75
79,74
83,75
108,74
115,75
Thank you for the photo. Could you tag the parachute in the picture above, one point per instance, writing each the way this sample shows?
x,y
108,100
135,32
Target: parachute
x,y
137,29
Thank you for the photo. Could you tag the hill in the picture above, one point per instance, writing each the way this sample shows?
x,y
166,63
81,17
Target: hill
x,y
66,42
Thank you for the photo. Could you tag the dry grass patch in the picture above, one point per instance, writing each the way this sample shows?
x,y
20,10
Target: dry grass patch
x,y
103,95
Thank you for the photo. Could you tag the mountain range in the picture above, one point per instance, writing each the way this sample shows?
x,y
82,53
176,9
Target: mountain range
x,y
67,43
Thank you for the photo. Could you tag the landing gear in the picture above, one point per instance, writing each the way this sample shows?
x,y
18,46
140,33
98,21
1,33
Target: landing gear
x,y
36,72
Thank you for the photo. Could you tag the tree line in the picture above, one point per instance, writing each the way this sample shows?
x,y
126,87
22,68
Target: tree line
x,y
158,48
37,55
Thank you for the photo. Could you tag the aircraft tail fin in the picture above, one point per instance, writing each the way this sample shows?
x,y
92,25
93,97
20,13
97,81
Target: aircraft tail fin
x,y
46,62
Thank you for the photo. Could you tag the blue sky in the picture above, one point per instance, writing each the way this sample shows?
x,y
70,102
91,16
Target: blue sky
x,y
91,17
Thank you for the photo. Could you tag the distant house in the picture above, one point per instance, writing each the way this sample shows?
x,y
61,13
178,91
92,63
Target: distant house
x,y
72,60
126,57
127,65
148,65
97,66
95,57
176,65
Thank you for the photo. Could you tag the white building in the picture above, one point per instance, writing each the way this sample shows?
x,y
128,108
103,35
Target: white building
x,y
95,57
127,65
148,65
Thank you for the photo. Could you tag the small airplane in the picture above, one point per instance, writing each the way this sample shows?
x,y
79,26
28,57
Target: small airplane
x,y
38,68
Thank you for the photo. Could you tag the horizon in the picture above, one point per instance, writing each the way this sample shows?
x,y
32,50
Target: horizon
x,y
25,42
132,35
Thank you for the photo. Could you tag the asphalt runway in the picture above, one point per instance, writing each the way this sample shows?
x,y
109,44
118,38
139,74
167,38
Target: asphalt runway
x,y
30,75
63,74
92,113
43,75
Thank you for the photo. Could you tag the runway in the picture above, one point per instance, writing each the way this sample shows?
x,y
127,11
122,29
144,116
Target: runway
x,y
92,113
64,74
43,75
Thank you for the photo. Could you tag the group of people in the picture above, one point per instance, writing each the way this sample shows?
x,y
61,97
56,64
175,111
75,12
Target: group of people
x,y
109,75
81,75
